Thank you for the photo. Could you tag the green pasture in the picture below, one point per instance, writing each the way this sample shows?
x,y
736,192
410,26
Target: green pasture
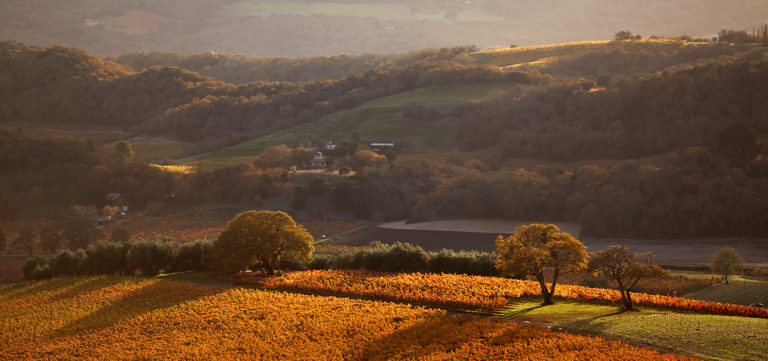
x,y
376,120
153,149
713,337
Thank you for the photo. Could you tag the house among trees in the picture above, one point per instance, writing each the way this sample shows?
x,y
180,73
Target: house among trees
x,y
329,146
318,161
116,201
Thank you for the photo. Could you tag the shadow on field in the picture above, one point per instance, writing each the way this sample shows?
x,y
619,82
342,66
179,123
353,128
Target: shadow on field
x,y
58,289
594,324
155,295
82,286
511,311
443,334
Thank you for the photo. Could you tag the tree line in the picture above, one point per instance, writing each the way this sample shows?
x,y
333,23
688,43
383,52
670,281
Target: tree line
x,y
243,69
72,88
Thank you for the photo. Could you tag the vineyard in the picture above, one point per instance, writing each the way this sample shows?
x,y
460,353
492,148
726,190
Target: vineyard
x,y
475,292
139,318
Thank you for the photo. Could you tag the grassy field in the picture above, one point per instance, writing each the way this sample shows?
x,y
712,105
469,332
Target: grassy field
x,y
376,120
153,149
706,336
113,317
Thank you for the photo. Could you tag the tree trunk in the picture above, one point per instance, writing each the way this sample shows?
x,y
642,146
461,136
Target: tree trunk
x,y
544,291
270,270
725,277
624,295
628,303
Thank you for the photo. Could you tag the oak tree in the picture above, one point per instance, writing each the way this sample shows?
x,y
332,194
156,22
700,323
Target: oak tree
x,y
537,249
726,261
263,239
626,268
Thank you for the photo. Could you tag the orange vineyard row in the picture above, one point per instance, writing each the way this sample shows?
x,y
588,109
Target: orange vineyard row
x,y
463,291
138,318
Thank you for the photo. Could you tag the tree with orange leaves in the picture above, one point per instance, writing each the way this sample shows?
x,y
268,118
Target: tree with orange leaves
x,y
264,239
536,249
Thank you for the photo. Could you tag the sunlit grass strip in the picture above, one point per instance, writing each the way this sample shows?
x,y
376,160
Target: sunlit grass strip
x,y
461,291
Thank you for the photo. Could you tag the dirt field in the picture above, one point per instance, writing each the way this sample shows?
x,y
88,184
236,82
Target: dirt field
x,y
481,234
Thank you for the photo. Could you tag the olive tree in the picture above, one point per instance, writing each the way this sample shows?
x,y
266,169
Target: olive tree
x,y
626,268
262,239
536,249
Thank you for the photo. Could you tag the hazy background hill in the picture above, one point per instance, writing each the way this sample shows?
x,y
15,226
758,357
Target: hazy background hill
x,y
304,28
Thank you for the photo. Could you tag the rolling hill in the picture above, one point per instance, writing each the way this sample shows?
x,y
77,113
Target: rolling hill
x,y
376,120
306,28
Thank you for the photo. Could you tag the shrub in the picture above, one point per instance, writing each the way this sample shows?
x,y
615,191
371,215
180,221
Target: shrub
x,y
193,256
322,261
83,265
36,269
405,257
398,257
151,257
64,264
467,262
106,258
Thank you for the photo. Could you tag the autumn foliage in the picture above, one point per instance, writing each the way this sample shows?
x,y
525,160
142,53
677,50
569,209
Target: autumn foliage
x,y
139,318
263,238
477,292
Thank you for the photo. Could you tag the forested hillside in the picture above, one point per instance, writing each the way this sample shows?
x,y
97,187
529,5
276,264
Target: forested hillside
x,y
239,69
633,117
67,87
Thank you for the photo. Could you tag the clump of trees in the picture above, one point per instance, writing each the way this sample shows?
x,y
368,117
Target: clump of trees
x,y
537,249
726,261
626,35
261,239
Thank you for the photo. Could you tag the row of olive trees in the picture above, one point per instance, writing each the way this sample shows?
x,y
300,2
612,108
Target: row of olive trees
x,y
147,258
406,257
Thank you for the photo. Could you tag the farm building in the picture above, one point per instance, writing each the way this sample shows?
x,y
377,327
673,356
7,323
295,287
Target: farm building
x,y
377,147
329,146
